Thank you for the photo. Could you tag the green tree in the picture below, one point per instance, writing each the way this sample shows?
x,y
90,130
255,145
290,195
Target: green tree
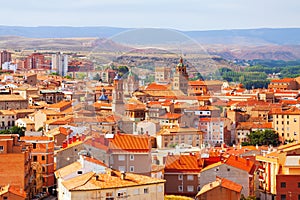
x,y
14,130
263,137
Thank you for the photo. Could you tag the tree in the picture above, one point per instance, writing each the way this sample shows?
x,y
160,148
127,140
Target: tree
x,y
14,130
263,137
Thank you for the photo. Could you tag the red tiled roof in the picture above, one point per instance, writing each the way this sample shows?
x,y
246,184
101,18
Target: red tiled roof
x,y
135,107
155,86
231,185
198,82
240,163
182,163
171,116
284,80
93,160
129,142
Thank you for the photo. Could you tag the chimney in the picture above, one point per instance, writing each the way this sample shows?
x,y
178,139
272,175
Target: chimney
x,y
97,177
236,157
247,161
64,144
123,175
74,138
70,140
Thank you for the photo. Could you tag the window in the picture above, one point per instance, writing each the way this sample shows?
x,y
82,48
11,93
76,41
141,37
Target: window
x,y
5,198
298,184
190,188
283,184
34,158
295,120
109,196
121,157
283,197
122,168
43,157
121,194
298,196
1,148
131,168
131,157
34,145
180,188
146,190
190,177
228,169
180,177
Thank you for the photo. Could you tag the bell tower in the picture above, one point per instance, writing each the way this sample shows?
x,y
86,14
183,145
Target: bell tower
x,y
118,96
181,77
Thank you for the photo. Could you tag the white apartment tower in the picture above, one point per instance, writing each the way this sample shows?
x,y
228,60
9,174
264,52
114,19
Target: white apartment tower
x,y
60,63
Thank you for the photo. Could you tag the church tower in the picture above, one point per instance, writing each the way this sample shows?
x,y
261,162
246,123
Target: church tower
x,y
118,106
181,77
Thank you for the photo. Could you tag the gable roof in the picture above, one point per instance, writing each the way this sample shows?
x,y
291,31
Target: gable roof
x,y
240,163
221,182
129,142
182,163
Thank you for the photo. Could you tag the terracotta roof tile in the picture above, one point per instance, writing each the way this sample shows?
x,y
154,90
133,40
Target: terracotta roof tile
x,y
129,142
240,163
182,163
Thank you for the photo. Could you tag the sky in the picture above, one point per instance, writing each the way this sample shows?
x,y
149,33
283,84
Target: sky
x,y
175,14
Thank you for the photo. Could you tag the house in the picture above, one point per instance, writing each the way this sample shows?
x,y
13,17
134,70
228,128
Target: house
x,y
81,166
69,152
13,102
112,185
10,192
283,84
170,137
8,118
130,153
43,153
216,130
28,124
181,174
286,122
222,188
15,164
279,172
197,88
233,168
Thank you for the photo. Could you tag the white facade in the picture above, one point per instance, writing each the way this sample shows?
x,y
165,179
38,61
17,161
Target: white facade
x,y
60,64
9,66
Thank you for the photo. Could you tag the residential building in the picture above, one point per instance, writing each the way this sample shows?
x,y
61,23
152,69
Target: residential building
x,y
286,122
197,88
59,63
10,66
222,188
35,61
43,153
112,185
283,84
5,56
279,172
7,119
216,130
10,192
181,174
28,124
15,164
12,101
170,137
233,168
130,153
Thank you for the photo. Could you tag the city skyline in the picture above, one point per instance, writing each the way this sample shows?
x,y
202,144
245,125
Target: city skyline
x,y
187,15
